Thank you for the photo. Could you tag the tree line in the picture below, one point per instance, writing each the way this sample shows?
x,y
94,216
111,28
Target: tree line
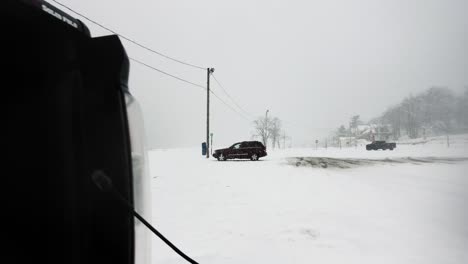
x,y
436,111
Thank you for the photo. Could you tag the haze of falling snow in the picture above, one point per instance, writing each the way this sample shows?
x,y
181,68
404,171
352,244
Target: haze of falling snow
x,y
313,64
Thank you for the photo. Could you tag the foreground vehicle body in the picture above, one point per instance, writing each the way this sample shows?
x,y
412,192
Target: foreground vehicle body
x,y
252,150
69,114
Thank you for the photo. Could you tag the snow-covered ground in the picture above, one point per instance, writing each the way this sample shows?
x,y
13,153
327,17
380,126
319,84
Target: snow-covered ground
x,y
277,211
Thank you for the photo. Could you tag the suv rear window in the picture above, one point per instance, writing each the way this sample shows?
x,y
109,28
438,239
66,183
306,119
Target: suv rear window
x,y
252,144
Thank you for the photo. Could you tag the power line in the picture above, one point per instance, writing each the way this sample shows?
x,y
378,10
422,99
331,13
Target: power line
x,y
168,74
163,55
128,39
189,82
230,107
232,99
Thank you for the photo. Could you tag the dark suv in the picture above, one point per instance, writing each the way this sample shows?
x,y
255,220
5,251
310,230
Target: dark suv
x,y
252,150
376,145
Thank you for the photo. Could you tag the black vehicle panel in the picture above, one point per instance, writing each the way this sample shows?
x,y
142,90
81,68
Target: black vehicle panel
x,y
242,150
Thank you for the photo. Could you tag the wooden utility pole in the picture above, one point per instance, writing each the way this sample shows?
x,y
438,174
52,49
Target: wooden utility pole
x,y
209,71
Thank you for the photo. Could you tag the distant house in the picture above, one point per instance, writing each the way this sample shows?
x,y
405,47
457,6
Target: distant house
x,y
372,132
347,141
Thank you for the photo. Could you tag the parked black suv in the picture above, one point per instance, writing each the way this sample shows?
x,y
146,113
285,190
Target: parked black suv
x,y
380,145
252,150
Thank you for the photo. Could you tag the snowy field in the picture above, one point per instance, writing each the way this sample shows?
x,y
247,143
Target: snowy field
x,y
409,205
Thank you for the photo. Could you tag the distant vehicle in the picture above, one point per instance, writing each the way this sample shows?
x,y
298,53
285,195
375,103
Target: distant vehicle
x,y
380,145
252,150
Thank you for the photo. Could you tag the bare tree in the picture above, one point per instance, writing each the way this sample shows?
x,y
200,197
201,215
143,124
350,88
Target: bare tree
x,y
393,117
354,123
462,111
275,131
262,129
341,131
267,128
283,137
435,111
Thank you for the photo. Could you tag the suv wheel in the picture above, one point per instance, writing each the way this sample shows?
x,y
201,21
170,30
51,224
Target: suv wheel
x,y
221,157
254,157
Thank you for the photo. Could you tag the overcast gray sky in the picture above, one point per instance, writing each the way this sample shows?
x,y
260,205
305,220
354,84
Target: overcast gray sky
x,y
311,63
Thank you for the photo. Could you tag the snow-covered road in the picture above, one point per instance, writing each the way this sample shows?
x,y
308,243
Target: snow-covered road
x,y
272,211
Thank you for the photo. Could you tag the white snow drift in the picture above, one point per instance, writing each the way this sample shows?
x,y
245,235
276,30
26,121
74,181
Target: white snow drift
x,y
273,211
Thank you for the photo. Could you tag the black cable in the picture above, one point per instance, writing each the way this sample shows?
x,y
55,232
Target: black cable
x,y
230,107
168,74
104,183
194,84
128,39
163,55
198,85
232,99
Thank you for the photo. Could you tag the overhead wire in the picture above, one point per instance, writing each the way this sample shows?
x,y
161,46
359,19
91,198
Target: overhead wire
x,y
230,97
194,84
168,74
129,39
165,56
230,107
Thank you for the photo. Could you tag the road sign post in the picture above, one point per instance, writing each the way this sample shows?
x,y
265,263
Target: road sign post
x,y
211,143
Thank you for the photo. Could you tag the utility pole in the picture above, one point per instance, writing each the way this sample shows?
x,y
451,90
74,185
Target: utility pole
x,y
266,128
209,71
